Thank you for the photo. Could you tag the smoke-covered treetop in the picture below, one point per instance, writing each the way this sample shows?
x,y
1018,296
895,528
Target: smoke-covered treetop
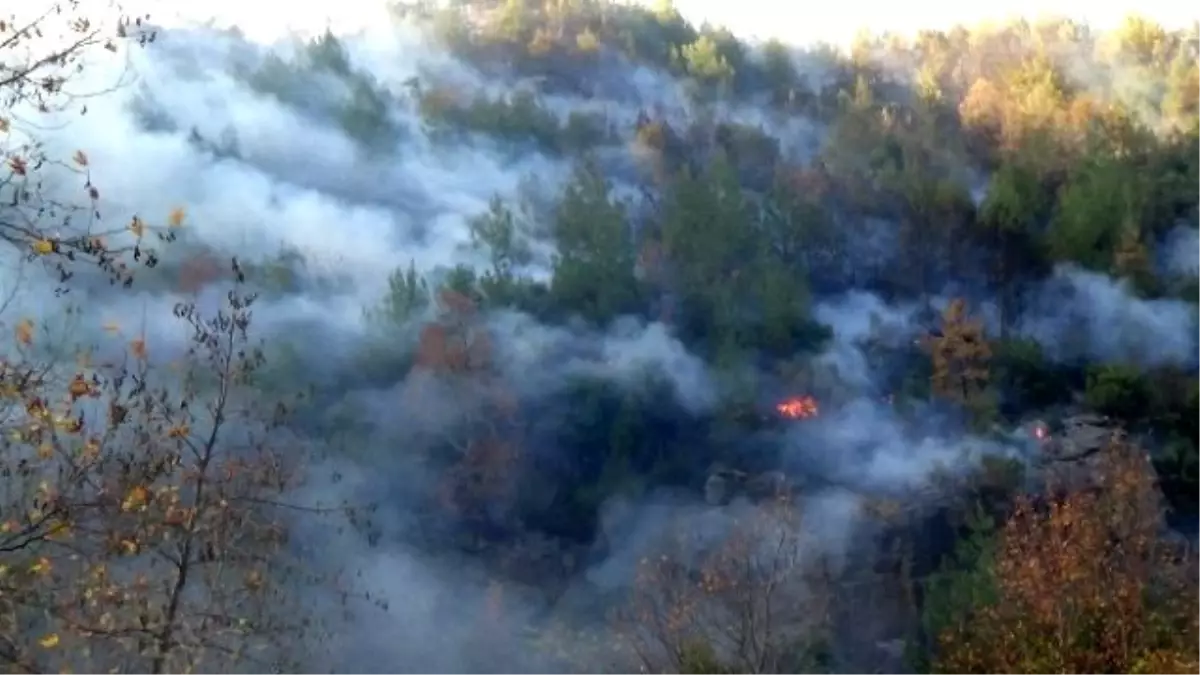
x,y
570,335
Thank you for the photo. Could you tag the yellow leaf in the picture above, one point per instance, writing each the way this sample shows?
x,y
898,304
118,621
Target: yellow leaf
x,y
138,347
80,158
176,217
42,566
71,425
111,327
3,571
37,409
45,451
136,498
49,641
179,431
24,331
137,227
130,546
59,531
43,247
9,526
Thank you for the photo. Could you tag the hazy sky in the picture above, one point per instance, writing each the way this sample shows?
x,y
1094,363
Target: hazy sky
x,y
788,20
837,22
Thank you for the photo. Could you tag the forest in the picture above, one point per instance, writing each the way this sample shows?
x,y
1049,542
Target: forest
x,y
574,336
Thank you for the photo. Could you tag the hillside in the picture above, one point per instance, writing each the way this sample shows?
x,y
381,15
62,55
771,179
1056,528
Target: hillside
x,y
569,336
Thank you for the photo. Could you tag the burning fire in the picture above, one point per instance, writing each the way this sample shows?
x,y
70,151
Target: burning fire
x,y
797,407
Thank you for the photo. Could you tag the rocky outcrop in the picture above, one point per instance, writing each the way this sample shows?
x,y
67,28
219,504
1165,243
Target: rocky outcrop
x,y
1070,456
725,485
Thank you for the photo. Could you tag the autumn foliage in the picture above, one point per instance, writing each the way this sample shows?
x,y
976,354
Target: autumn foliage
x,y
144,523
455,347
960,356
146,513
1086,583
453,343
43,52
756,600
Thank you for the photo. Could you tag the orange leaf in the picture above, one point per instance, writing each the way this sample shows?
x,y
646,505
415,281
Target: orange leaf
x,y
79,387
137,497
24,331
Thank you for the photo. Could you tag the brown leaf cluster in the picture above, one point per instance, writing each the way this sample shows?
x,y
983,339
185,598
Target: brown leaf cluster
x,y
749,603
144,539
43,53
1086,584
456,348
960,356
454,343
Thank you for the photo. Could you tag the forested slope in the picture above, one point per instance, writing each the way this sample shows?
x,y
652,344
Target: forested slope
x,y
603,341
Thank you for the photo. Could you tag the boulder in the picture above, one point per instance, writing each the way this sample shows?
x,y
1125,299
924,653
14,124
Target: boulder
x,y
726,485
1071,456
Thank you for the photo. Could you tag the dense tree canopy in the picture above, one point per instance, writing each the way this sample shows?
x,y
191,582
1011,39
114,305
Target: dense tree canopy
x,y
961,178
990,157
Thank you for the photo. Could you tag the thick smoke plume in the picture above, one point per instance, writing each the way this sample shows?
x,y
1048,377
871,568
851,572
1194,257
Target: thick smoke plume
x,y
277,162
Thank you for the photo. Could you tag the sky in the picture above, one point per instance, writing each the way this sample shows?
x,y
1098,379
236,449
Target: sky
x,y
793,22
804,23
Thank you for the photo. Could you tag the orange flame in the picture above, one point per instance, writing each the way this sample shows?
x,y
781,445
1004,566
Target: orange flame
x,y
797,407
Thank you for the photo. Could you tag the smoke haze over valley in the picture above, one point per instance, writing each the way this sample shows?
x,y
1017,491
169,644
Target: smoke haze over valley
x,y
607,327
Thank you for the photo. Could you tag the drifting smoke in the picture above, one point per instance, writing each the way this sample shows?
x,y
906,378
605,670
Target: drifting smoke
x,y
271,167
1080,314
262,174
1180,252
857,318
539,358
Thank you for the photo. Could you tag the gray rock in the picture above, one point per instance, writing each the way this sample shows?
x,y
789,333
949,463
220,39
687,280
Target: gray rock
x,y
725,485
1073,457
